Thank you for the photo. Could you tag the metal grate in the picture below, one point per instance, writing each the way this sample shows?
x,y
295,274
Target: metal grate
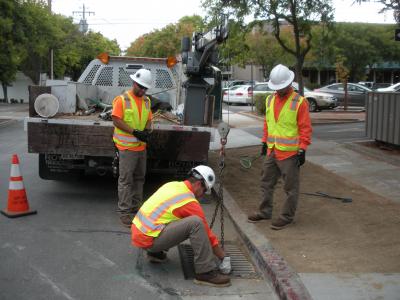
x,y
163,79
241,267
123,78
105,77
92,73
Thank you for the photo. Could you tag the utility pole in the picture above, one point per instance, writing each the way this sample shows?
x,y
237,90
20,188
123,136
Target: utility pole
x,y
83,25
51,52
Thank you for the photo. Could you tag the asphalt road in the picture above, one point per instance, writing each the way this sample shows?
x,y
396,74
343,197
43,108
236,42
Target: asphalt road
x,y
340,133
76,248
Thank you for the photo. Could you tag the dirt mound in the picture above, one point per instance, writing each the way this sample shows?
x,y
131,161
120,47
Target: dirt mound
x,y
328,235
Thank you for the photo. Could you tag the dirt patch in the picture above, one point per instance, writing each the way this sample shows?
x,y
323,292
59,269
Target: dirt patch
x,y
328,235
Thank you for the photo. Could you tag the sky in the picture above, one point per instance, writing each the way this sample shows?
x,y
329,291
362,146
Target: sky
x,y
126,20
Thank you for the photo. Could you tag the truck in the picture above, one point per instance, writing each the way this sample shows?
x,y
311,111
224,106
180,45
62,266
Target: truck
x,y
186,103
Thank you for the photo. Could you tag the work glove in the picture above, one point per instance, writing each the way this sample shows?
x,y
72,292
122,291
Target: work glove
x,y
301,157
264,149
225,266
143,136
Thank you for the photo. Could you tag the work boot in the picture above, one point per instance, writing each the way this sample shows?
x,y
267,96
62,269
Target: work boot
x,y
212,278
157,257
280,224
126,220
257,217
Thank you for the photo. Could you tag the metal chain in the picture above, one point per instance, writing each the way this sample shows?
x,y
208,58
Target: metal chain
x,y
220,194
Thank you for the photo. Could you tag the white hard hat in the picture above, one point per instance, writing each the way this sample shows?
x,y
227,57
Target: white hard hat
x,y
280,77
206,174
142,77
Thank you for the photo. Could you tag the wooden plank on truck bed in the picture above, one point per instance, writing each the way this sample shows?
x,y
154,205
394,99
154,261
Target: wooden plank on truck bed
x,y
70,139
94,140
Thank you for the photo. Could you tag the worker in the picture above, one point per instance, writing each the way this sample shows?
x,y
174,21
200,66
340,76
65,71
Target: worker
x,y
172,215
287,133
131,117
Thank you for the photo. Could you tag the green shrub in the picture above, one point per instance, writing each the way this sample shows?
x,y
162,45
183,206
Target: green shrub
x,y
259,101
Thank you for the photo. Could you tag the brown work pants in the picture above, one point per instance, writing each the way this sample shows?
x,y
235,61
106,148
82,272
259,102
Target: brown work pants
x,y
273,169
188,228
132,171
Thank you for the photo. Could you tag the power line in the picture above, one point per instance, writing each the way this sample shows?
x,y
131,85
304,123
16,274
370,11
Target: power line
x,y
83,25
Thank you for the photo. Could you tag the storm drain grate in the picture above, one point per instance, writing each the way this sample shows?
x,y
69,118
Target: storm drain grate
x,y
241,266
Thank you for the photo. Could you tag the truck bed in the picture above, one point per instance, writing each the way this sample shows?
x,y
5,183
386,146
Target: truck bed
x,y
73,135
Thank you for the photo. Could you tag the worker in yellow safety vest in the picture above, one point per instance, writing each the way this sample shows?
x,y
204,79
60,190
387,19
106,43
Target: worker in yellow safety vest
x,y
287,134
131,117
172,215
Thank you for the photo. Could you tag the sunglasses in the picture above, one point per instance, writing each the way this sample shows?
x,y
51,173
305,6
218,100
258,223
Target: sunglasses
x,y
141,87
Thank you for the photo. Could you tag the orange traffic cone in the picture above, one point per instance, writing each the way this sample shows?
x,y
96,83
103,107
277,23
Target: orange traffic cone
x,y
17,202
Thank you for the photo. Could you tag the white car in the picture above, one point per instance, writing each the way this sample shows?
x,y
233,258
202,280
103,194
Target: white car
x,y
238,94
393,88
316,100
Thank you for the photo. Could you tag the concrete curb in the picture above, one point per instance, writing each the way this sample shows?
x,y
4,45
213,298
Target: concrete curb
x,y
374,153
285,280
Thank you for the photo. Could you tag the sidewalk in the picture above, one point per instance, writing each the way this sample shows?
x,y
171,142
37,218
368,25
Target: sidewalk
x,y
362,168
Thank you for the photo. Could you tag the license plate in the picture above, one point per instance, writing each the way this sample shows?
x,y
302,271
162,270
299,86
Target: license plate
x,y
71,156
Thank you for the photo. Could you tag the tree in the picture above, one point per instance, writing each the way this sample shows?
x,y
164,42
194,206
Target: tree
x,y
265,51
298,15
166,41
364,45
28,30
342,73
11,39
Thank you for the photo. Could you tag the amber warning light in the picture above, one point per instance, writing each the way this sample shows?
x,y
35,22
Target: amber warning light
x,y
171,61
104,58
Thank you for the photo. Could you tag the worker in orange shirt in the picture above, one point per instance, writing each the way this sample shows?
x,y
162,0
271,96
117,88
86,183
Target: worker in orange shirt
x,y
172,215
287,133
131,117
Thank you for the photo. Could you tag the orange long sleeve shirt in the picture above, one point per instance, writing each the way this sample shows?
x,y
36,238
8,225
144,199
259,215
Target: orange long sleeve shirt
x,y
303,123
140,240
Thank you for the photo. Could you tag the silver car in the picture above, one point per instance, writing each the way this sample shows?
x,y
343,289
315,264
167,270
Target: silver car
x,y
317,100
356,93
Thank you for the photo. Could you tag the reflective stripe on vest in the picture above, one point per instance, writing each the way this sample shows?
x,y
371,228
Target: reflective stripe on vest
x,y
156,212
283,133
132,118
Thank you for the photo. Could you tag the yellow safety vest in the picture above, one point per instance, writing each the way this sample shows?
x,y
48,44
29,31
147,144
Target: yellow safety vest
x,y
131,117
156,212
283,134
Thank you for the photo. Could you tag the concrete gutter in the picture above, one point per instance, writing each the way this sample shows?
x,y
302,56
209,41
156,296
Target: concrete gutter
x,y
284,279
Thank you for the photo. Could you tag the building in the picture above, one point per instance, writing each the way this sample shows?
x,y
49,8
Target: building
x,y
18,89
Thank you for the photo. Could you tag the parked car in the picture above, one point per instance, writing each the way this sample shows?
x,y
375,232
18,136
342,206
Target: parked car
x,y
238,94
374,85
356,93
316,100
393,88
239,82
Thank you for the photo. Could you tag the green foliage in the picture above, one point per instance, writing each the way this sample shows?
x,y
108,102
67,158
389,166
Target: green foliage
x,y
359,45
300,15
235,50
265,51
12,39
259,102
28,30
166,41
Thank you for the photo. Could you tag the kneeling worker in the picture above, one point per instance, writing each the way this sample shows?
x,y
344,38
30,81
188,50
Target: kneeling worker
x,y
172,215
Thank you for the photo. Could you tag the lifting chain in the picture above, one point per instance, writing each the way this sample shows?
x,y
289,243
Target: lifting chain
x,y
223,130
